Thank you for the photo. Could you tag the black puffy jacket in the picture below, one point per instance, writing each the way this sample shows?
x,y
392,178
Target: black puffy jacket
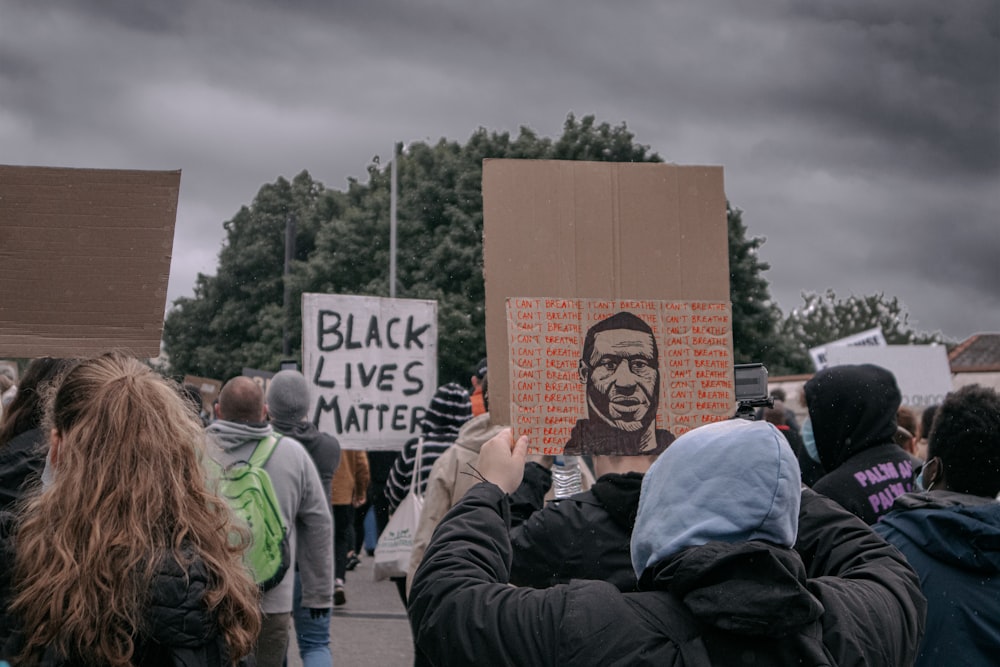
x,y
842,597
179,630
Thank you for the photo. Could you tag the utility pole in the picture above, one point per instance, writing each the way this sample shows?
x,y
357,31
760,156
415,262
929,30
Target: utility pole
x,y
393,177
286,341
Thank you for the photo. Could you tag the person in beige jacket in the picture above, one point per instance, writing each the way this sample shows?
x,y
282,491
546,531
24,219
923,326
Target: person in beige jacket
x,y
453,475
450,478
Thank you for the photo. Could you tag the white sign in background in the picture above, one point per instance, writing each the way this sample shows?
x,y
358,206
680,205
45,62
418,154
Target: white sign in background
x,y
871,337
921,371
371,364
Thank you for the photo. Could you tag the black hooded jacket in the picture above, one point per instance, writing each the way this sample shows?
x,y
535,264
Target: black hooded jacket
x,y
585,536
323,448
842,597
853,413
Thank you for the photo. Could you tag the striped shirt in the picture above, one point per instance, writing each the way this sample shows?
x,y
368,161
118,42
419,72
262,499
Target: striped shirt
x,y
402,469
449,409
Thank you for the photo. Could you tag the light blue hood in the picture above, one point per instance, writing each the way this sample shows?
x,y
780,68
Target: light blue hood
x,y
731,481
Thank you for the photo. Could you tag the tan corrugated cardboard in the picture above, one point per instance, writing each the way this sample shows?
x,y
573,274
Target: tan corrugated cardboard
x,y
597,230
84,259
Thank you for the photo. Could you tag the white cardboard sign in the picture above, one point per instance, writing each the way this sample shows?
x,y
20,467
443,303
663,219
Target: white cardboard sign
x,y
921,371
870,338
371,364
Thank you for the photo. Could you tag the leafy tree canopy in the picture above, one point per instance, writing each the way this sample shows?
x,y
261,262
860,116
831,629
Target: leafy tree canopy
x,y
825,317
236,317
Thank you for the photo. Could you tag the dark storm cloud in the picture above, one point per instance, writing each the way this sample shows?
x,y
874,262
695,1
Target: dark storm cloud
x,y
150,17
922,75
860,138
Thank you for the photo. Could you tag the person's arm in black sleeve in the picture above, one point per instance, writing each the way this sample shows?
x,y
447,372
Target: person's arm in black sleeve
x,y
874,610
460,607
546,548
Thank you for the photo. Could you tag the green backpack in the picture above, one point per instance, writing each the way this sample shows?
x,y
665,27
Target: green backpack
x,y
248,489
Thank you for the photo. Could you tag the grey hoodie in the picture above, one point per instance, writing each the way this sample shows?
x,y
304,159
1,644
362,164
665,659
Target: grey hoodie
x,y
303,507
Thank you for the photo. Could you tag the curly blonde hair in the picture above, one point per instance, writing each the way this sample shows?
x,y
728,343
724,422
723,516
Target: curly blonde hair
x,y
129,490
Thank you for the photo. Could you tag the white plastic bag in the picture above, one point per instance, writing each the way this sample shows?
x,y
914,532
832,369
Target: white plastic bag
x,y
395,544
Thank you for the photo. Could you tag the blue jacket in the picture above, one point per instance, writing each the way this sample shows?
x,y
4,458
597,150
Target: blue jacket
x,y
952,540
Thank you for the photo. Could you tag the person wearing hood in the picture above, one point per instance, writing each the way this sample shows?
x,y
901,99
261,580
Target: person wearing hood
x,y
949,531
719,580
240,426
852,411
287,407
584,536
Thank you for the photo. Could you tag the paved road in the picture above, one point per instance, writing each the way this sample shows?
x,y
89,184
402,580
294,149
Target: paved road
x,y
371,629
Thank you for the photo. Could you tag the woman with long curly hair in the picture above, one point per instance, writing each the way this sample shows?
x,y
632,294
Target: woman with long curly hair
x,y
126,557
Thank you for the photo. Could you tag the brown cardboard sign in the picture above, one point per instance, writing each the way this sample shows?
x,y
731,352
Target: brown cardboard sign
x,y
626,376
209,389
84,259
260,377
599,231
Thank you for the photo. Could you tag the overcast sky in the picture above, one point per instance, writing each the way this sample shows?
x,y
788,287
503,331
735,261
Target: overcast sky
x,y
861,138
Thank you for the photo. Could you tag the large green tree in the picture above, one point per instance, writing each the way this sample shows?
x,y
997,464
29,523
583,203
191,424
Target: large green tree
x,y
756,318
235,318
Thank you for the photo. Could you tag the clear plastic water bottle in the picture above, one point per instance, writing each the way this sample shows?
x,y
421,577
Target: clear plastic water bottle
x,y
566,479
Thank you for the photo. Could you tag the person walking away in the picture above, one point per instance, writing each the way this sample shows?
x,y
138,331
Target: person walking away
x,y
239,428
287,407
350,485
128,557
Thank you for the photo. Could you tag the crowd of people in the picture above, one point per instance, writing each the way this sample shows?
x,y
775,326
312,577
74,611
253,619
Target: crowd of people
x,y
867,535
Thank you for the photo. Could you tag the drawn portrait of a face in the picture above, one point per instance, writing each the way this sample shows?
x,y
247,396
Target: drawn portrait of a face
x,y
620,370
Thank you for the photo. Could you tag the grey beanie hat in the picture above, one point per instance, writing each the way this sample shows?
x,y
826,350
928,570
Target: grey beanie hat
x,y
288,396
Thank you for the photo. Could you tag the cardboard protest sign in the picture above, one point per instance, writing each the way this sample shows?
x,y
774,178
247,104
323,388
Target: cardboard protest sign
x,y
600,232
871,338
371,364
86,259
261,378
626,376
208,387
922,371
